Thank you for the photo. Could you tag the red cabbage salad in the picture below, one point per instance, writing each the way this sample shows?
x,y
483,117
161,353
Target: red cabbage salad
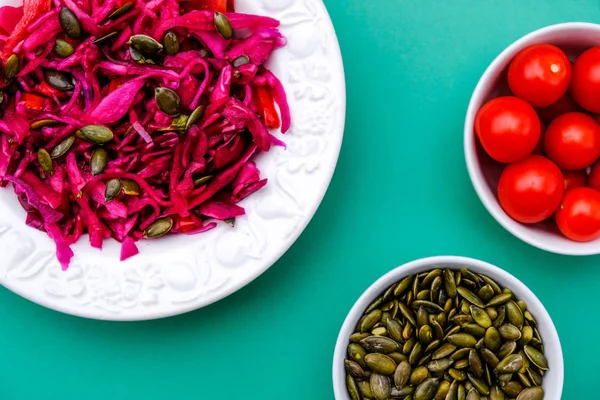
x,y
134,119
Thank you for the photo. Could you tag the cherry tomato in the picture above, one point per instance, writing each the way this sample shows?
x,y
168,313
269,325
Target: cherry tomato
x,y
572,141
585,85
578,217
565,105
594,177
508,128
530,190
574,179
540,74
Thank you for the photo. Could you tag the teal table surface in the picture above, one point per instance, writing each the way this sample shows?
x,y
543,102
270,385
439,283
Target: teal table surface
x,y
400,192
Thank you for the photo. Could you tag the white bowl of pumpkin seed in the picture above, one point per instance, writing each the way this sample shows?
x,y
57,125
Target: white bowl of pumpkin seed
x,y
448,328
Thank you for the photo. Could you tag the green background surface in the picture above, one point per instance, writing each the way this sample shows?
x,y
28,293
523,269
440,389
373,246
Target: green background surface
x,y
401,192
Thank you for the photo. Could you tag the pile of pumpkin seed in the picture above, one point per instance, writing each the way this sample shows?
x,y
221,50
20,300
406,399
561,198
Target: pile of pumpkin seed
x,y
446,335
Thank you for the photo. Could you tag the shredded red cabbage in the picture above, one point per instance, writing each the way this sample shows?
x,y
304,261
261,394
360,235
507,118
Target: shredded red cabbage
x,y
113,134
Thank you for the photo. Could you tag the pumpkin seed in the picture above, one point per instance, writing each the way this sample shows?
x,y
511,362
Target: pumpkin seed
x,y
380,386
442,391
470,296
510,364
98,161
370,320
536,357
450,283
171,43
63,147
379,331
11,67
486,293
357,337
514,314
460,354
462,340
532,393
113,188
42,123
167,101
145,45
45,161
461,364
119,12
415,353
457,374
507,348
425,334
473,395
357,354
513,388
474,329
352,388
195,117
379,344
402,374
69,23
96,134
440,365
481,317
106,38
444,351
223,25
500,318
475,363
354,369
130,187
364,387
427,305
59,81
203,180
159,228
479,384
526,335
492,339
418,375
398,357
536,378
499,299
496,393
509,332
242,60
380,363
489,357
63,48
426,390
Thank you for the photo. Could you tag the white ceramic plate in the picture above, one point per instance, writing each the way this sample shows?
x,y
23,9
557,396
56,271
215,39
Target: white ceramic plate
x,y
182,273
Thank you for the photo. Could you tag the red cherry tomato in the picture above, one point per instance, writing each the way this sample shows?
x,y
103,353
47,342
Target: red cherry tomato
x,y
574,179
508,128
585,85
530,190
540,74
572,141
578,217
565,105
594,177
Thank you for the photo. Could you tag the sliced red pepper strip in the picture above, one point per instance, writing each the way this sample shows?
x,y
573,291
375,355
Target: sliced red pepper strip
x,y
45,89
115,84
210,5
32,10
266,107
230,6
187,224
32,101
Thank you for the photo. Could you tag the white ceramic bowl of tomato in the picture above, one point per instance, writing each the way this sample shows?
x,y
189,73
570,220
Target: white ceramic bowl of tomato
x,y
532,138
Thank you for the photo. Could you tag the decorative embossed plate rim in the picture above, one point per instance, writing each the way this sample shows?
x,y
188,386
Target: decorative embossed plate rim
x,y
180,273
